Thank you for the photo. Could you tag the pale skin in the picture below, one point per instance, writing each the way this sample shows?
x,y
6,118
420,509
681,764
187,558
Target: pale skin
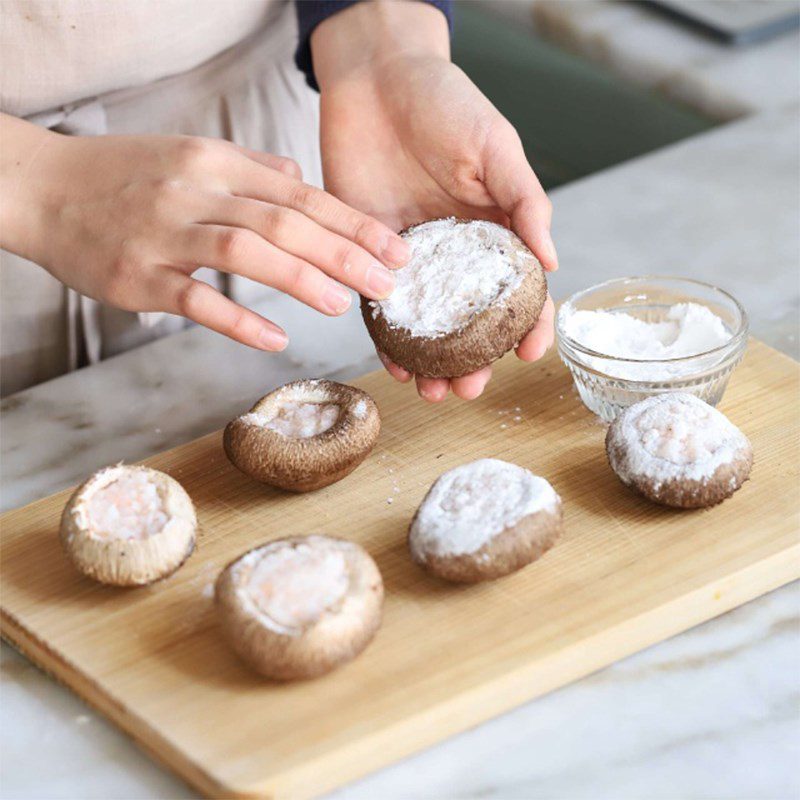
x,y
405,137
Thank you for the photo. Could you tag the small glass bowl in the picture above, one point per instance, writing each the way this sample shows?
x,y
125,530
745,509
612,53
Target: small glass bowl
x,y
607,385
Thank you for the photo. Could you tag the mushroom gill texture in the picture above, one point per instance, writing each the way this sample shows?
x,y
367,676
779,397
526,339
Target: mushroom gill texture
x,y
470,292
128,526
299,607
304,435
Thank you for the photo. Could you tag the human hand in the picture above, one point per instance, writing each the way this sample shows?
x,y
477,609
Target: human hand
x,y
406,137
128,219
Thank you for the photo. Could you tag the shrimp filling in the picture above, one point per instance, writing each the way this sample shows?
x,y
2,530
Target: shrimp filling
x,y
295,585
297,420
129,508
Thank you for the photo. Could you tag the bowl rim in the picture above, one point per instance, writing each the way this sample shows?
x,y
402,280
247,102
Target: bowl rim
x,y
740,334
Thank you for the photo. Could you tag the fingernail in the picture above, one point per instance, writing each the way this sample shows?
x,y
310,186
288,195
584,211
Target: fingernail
x,y
552,255
380,281
396,252
273,339
336,299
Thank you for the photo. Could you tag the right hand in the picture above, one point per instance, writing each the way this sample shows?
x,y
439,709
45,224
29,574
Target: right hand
x,y
128,219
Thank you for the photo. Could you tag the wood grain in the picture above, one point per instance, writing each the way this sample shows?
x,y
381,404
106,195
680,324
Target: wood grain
x,y
626,574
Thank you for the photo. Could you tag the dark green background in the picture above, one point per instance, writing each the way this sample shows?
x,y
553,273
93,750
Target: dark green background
x,y
574,118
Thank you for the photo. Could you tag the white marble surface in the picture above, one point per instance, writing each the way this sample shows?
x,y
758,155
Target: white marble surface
x,y
643,46
712,713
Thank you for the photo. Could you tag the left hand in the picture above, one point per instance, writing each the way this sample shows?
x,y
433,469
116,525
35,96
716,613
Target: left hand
x,y
407,137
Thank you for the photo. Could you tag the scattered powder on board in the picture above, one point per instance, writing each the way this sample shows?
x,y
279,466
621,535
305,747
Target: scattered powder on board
x,y
455,271
687,329
471,504
675,436
292,585
295,419
128,507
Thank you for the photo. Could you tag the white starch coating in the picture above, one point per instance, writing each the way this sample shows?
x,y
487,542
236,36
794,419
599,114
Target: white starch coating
x,y
676,436
688,329
471,504
455,271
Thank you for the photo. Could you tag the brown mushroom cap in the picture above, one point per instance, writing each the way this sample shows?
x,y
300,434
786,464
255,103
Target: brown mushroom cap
x,y
306,641
485,337
129,562
677,450
472,527
302,464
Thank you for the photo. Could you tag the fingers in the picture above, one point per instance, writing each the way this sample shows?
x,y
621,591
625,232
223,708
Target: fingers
x,y
204,305
297,234
536,343
431,389
287,166
242,252
270,186
395,370
468,387
516,189
434,390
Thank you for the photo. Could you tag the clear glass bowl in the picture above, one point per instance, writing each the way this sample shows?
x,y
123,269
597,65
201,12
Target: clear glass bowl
x,y
607,385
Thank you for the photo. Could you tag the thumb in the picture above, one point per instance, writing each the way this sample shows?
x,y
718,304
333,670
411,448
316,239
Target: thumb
x,y
516,189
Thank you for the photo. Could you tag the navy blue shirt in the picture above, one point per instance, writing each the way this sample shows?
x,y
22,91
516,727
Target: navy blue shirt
x,y
311,12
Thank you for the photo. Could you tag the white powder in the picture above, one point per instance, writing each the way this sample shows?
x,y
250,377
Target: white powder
x,y
126,507
674,436
687,329
471,504
455,270
291,585
360,409
296,419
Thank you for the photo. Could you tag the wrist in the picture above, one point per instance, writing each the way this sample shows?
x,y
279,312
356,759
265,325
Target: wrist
x,y
24,179
361,39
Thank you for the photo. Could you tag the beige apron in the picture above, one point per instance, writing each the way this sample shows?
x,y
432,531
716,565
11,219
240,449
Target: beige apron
x,y
251,94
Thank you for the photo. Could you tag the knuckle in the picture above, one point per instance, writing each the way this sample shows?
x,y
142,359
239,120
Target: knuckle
x,y
193,151
233,244
237,326
187,299
300,279
306,197
165,192
280,222
288,166
122,278
345,260
368,232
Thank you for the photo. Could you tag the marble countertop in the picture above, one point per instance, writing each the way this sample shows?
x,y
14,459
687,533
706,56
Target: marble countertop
x,y
711,713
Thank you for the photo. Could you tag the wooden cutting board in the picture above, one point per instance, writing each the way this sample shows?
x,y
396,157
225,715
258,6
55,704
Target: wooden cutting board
x,y
626,574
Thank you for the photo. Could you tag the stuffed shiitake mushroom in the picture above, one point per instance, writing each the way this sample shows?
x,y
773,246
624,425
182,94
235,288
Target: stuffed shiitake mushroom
x,y
305,435
483,520
128,526
300,607
469,293
678,451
